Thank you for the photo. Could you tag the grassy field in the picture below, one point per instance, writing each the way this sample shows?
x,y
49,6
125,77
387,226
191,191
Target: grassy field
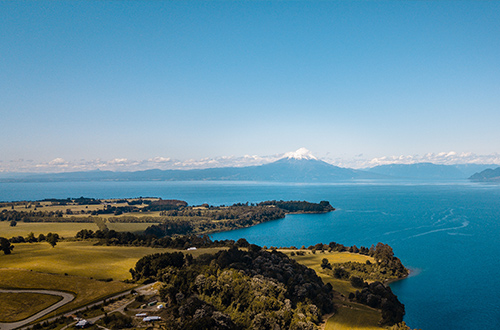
x,y
131,227
18,306
39,266
64,229
77,210
314,261
356,317
350,316
86,290
80,258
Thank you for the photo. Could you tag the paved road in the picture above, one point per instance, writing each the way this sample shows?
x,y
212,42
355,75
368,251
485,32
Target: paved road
x,y
67,297
9,326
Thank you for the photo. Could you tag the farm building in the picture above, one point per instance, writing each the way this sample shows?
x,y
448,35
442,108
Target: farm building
x,y
82,324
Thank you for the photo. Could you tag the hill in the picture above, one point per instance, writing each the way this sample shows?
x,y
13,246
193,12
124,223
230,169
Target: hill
x,y
283,170
428,171
488,175
299,166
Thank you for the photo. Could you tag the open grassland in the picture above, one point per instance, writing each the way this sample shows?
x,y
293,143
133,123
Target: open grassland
x,y
357,317
81,258
39,266
18,306
85,289
350,316
48,207
313,261
76,210
64,229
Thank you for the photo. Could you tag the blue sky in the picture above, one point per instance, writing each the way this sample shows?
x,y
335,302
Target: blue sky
x,y
114,80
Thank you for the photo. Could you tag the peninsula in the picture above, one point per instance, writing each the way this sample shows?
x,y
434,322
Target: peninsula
x,y
202,283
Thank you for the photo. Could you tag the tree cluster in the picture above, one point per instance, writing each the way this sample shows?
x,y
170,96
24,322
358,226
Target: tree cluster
x,y
300,206
175,218
377,295
42,216
51,238
79,201
386,267
367,271
166,205
385,258
198,221
116,321
237,289
112,237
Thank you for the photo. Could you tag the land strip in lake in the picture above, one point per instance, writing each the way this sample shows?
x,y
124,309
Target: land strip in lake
x,y
161,217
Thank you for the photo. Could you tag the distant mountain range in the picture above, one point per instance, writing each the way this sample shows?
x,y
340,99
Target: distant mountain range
x,y
429,171
294,167
283,170
488,175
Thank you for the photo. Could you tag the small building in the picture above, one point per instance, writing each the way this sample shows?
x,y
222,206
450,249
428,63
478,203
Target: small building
x,y
82,324
191,248
151,318
141,315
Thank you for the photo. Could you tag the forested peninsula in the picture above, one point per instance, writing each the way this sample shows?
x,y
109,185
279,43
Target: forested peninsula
x,y
248,287
168,217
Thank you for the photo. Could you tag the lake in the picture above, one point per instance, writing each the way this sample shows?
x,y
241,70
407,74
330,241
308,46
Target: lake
x,y
446,233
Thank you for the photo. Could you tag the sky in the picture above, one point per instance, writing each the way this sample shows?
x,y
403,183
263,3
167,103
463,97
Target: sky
x,y
184,84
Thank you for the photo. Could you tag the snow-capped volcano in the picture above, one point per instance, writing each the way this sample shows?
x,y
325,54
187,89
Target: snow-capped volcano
x,y
301,153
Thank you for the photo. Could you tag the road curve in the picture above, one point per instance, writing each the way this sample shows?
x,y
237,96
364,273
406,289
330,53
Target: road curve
x,y
67,297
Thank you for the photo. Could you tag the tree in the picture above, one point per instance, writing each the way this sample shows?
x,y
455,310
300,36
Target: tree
x,y
325,264
30,238
340,273
85,234
13,223
357,282
5,246
383,252
52,239
242,243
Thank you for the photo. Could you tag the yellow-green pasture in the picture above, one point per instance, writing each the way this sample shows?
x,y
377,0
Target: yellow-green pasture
x,y
349,316
85,289
313,261
354,317
48,207
39,266
81,258
18,306
77,210
64,229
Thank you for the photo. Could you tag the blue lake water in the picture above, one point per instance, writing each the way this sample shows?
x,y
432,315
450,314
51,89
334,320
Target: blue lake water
x,y
447,233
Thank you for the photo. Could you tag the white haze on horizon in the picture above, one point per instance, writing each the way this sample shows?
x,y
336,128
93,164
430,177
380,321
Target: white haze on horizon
x,y
166,163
